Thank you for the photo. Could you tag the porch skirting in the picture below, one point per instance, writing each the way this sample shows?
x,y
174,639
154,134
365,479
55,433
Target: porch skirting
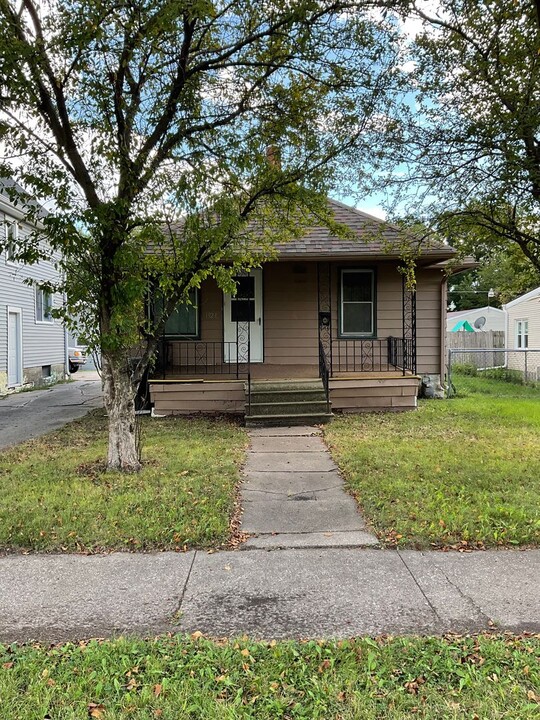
x,y
370,393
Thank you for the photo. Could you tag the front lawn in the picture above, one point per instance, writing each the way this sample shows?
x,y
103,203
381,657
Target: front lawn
x,y
56,496
186,679
464,471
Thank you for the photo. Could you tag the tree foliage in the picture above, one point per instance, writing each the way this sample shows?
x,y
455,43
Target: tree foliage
x,y
148,121
470,150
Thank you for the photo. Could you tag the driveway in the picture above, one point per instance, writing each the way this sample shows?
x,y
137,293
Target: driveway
x,y
30,414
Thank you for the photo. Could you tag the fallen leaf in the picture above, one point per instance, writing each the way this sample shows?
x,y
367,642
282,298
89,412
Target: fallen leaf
x,y
95,710
245,652
196,635
7,666
157,689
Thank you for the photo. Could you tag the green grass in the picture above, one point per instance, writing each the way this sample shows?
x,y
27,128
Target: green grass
x,y
56,496
456,472
185,679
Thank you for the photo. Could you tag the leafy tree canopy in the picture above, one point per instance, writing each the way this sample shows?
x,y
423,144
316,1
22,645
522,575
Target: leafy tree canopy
x,y
470,148
148,123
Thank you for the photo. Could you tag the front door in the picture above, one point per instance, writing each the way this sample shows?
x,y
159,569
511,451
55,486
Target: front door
x,y
243,319
14,347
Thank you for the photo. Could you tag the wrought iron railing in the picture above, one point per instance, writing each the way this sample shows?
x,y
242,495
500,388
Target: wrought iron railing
x,y
324,373
373,355
370,355
194,357
402,354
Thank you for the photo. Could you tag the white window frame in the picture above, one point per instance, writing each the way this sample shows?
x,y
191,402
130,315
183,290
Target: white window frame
x,y
342,332
12,233
10,309
522,334
43,320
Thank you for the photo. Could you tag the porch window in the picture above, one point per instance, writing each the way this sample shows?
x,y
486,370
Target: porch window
x,y
183,323
522,334
357,303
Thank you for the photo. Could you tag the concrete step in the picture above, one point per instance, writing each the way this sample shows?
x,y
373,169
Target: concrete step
x,y
288,408
293,395
254,421
285,385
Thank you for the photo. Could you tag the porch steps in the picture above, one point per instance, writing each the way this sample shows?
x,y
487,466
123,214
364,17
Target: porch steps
x,y
290,402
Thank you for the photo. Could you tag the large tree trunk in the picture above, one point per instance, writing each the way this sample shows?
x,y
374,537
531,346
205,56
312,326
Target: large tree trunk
x,y
119,398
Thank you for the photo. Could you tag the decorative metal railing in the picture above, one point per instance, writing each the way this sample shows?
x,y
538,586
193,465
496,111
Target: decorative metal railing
x,y
402,354
373,355
194,357
324,373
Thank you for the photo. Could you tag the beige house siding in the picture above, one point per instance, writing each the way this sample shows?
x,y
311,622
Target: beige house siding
x,y
527,310
186,398
429,335
290,315
369,395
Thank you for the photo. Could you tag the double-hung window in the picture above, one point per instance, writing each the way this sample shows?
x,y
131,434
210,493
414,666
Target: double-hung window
x,y
357,302
44,306
522,334
183,322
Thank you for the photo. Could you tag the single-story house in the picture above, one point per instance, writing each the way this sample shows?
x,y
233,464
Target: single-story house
x,y
523,333
329,324
480,319
32,342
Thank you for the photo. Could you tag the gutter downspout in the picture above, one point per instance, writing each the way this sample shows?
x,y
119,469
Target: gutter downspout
x,y
444,300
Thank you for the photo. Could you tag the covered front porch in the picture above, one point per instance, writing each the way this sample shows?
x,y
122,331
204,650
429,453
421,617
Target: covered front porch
x,y
289,335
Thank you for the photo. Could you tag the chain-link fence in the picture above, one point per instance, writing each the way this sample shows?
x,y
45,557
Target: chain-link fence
x,y
516,366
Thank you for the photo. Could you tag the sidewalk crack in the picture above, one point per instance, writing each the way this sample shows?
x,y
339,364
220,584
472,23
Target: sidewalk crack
x,y
467,598
433,608
291,495
178,612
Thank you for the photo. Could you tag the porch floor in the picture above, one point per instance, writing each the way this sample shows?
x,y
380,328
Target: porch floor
x,y
264,371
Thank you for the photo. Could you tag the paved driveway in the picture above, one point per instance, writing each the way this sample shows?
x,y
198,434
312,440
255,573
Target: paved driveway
x,y
31,414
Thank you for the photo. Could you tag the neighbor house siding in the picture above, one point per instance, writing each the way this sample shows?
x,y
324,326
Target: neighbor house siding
x,y
43,343
527,310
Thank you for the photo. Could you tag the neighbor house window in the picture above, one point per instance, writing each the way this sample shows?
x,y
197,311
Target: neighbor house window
x,y
184,320
44,306
522,334
357,303
12,238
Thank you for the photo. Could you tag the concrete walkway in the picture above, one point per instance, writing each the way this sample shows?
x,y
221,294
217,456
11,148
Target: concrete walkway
x,y
289,593
28,415
293,494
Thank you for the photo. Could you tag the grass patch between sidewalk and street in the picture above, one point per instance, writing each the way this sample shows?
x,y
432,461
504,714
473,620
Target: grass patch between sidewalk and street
x,y
55,494
365,679
463,472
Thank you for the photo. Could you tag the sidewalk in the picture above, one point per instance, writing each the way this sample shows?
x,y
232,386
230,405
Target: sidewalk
x,y
294,496
280,594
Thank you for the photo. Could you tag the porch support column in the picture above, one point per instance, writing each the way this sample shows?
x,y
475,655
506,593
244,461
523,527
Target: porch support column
x,y
408,295
324,295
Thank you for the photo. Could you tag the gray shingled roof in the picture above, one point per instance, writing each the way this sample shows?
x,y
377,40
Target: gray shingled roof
x,y
375,238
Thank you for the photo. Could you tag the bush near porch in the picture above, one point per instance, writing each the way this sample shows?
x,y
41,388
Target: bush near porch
x,y
55,494
463,472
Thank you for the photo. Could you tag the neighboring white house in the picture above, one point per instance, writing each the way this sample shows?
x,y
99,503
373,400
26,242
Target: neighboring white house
x,y
523,332
484,318
32,343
